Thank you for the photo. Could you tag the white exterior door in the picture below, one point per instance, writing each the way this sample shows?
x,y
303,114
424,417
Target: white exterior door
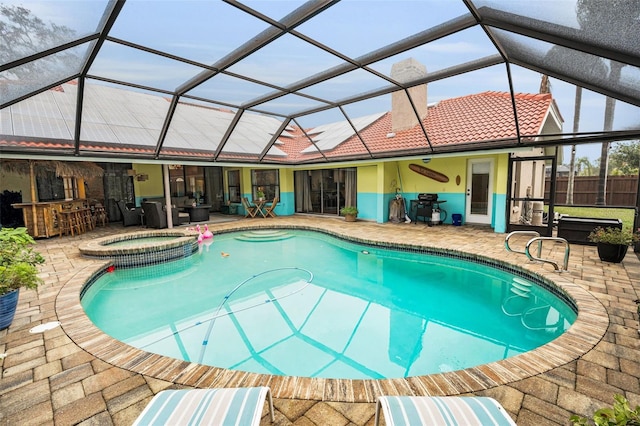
x,y
479,191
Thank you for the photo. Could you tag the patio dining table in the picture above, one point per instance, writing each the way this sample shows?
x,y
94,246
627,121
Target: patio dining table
x,y
199,213
259,204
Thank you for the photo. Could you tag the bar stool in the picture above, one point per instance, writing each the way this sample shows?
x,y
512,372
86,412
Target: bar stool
x,y
100,215
75,221
63,223
87,218
93,219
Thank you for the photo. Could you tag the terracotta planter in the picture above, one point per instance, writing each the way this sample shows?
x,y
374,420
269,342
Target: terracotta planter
x,y
349,217
8,304
613,253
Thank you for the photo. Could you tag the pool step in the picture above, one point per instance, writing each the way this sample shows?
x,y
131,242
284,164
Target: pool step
x,y
266,235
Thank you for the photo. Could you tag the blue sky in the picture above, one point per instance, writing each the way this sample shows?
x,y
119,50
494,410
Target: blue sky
x,y
204,32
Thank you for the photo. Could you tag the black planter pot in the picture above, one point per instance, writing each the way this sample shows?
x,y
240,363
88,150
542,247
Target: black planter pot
x,y
613,253
8,304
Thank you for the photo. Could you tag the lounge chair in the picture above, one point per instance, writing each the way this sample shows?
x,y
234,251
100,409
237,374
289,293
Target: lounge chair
x,y
131,215
224,406
269,210
155,215
250,211
441,410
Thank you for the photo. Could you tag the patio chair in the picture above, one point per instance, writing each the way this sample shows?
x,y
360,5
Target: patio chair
x,y
131,215
440,410
100,215
223,406
251,211
269,210
155,215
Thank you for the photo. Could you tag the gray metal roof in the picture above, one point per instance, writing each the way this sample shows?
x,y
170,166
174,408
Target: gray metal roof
x,y
228,76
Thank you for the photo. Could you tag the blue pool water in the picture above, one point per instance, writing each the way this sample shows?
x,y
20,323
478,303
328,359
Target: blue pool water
x,y
305,304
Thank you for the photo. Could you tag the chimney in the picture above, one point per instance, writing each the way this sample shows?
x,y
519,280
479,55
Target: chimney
x,y
402,115
545,84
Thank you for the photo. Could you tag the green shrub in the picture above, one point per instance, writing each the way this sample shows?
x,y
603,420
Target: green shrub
x,y
613,236
618,415
348,210
18,260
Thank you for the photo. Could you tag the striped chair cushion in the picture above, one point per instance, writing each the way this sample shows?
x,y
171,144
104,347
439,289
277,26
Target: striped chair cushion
x,y
449,410
225,406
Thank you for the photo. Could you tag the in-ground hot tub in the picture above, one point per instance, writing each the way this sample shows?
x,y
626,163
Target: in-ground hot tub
x,y
142,248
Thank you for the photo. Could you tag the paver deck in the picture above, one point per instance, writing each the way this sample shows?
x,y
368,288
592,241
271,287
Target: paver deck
x,y
74,374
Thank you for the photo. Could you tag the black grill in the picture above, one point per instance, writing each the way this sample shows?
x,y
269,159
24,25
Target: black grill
x,y
428,197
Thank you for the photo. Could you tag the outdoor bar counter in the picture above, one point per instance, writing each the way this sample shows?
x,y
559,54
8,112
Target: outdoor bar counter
x,y
44,215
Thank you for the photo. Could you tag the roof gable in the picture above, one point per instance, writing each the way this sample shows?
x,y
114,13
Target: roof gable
x,y
486,116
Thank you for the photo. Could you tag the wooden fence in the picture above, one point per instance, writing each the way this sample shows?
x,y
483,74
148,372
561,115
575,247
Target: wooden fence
x,y
621,190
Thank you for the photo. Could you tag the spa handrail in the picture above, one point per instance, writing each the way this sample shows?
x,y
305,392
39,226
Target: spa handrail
x,y
537,238
557,239
511,234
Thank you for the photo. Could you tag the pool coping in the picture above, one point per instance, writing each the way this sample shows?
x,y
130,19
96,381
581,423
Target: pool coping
x,y
588,329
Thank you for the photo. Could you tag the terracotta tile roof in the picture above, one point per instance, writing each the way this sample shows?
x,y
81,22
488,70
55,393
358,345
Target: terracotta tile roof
x,y
60,87
37,144
486,116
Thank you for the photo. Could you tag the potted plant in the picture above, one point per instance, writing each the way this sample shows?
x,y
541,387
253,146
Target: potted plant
x,y
260,194
17,269
349,213
612,243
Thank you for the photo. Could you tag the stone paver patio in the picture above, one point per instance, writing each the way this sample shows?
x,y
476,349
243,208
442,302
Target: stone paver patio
x,y
57,378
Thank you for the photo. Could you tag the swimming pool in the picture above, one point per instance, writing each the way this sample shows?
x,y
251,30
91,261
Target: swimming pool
x,y
377,314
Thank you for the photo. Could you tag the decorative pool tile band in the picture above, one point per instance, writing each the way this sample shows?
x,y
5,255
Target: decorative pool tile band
x,y
133,260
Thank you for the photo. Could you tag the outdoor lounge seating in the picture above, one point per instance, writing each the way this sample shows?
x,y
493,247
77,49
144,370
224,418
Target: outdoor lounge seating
x,y
224,406
178,202
250,210
441,410
155,215
130,214
183,217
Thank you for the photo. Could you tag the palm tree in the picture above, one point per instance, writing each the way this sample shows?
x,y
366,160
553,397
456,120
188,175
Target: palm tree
x,y
584,166
609,113
23,33
572,163
593,16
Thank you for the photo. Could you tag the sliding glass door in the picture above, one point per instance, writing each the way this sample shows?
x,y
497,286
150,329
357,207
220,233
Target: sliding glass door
x,y
324,191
